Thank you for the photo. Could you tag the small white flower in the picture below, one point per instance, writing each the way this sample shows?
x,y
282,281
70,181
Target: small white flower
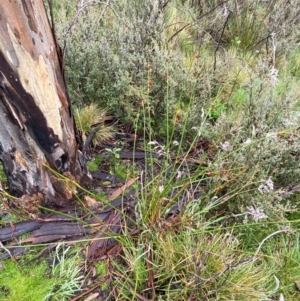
x,y
179,174
161,188
159,149
288,122
195,128
256,213
271,134
248,141
267,186
261,188
226,146
270,184
176,143
274,76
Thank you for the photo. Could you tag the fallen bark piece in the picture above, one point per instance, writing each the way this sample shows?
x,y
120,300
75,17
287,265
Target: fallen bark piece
x,y
106,177
18,229
75,223
14,252
53,231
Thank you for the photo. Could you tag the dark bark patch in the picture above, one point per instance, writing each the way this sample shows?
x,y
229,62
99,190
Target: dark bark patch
x,y
28,10
41,37
16,33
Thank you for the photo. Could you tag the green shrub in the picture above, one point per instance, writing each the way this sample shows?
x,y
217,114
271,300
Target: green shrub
x,y
147,59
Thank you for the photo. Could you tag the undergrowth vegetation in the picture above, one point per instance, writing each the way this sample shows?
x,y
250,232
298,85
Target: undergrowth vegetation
x,y
213,86
56,280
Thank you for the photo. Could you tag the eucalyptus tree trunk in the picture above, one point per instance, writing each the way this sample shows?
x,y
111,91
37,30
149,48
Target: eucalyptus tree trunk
x,y
37,128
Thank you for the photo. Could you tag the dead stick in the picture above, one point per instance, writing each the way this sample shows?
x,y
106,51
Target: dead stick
x,y
86,292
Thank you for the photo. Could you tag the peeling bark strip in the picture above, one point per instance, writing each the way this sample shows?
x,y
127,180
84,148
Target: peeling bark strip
x,y
36,126
26,114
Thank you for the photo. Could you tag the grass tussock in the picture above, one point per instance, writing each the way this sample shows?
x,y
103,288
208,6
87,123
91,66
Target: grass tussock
x,y
91,116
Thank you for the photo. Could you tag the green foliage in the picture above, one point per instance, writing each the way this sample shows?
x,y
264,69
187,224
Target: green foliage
x,y
115,152
284,260
36,281
65,271
28,284
3,177
208,251
217,108
148,59
94,164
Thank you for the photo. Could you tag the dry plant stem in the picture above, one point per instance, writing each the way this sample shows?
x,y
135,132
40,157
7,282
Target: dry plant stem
x,y
121,189
269,236
287,192
150,273
199,264
9,208
273,50
80,7
218,45
41,254
140,297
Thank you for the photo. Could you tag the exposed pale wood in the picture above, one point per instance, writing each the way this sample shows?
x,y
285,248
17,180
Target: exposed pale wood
x,y
36,123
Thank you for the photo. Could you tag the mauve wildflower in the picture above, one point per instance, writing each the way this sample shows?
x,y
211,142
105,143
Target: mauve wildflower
x,y
266,187
256,213
226,146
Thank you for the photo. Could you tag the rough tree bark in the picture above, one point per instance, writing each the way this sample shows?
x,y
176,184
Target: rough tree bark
x,y
37,127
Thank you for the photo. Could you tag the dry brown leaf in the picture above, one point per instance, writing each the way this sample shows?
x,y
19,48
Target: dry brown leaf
x,y
121,189
91,203
92,297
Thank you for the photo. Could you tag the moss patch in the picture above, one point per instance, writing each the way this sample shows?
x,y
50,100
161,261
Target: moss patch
x,y
29,284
